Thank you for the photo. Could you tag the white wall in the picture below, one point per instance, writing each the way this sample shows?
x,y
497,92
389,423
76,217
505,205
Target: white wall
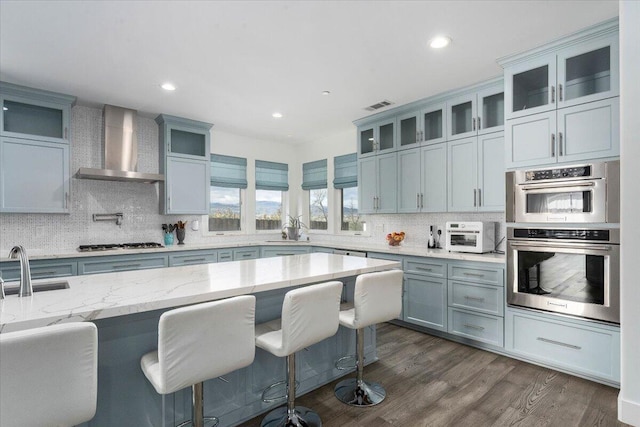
x,y
629,398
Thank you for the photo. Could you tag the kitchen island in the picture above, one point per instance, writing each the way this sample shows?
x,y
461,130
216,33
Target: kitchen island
x,y
126,307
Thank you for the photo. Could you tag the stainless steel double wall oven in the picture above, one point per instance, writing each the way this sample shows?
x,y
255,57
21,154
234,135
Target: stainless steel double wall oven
x,y
563,250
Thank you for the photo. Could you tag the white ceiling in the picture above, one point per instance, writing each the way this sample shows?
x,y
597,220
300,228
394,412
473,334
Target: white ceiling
x,y
237,62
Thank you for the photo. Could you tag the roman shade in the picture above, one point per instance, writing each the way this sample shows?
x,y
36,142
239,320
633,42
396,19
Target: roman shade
x,y
345,170
272,176
228,171
314,175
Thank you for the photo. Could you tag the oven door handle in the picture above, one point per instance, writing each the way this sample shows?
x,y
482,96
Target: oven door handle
x,y
601,248
553,185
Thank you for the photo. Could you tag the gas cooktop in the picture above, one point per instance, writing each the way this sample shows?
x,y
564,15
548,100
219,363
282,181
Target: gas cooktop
x,y
111,246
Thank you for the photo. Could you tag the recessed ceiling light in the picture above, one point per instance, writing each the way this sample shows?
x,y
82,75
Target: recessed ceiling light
x,y
326,92
439,42
277,115
168,86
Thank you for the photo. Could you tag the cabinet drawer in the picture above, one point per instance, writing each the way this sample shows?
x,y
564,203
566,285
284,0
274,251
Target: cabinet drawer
x,y
124,263
477,274
476,326
484,298
425,266
225,255
39,270
283,251
245,253
588,350
193,257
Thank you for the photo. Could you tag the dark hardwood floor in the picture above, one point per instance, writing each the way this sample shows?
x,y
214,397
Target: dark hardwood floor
x,y
434,382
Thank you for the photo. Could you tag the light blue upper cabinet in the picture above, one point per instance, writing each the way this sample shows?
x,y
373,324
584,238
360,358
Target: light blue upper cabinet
x,y
377,138
35,176
562,100
476,113
34,150
422,179
463,175
185,161
377,178
476,173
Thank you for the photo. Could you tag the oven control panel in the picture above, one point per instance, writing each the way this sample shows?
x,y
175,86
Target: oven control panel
x,y
559,173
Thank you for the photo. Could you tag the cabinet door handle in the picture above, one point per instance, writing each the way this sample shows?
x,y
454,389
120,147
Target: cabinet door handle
x,y
560,143
479,197
193,260
66,133
474,298
473,274
421,135
421,200
553,145
127,265
479,126
423,268
560,92
473,124
223,379
553,94
474,197
66,200
418,200
575,347
476,327
42,273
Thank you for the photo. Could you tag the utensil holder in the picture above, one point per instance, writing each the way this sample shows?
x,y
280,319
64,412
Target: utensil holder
x,y
180,236
168,239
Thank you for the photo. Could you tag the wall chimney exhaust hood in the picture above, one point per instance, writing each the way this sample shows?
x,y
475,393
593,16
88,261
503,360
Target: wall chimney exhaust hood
x,y
120,149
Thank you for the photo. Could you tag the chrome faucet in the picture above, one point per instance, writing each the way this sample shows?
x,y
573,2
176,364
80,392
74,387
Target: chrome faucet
x,y
26,289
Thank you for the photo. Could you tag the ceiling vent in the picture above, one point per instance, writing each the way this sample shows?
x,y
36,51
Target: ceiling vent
x,y
378,105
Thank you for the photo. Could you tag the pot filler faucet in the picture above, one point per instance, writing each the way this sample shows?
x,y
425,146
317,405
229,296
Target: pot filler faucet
x,y
26,289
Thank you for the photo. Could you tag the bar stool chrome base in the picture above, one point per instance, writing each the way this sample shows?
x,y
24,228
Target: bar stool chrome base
x,y
301,417
359,393
208,422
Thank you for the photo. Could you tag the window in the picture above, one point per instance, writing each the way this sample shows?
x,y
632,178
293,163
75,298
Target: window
x,y
228,179
314,179
272,179
346,180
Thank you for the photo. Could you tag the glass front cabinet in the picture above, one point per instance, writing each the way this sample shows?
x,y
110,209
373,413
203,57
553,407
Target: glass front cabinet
x,y
426,126
377,138
476,113
34,150
580,73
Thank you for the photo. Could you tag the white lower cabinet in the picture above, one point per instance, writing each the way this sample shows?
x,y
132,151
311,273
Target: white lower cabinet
x,y
476,326
425,301
586,348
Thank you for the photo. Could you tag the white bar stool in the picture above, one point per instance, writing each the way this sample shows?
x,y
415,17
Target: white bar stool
x,y
377,298
309,315
49,375
198,343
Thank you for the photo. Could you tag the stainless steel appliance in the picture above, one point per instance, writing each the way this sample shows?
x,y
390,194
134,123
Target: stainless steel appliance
x,y
573,271
586,193
470,236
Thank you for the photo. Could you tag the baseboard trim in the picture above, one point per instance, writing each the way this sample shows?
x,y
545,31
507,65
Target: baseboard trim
x,y
628,411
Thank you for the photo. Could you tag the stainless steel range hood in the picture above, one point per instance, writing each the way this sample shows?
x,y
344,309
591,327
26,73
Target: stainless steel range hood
x,y
120,149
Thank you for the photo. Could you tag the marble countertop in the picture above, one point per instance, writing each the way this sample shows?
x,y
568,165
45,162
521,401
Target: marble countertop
x,y
379,248
100,296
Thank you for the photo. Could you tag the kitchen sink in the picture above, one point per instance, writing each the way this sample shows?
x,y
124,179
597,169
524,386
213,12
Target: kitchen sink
x,y
10,289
